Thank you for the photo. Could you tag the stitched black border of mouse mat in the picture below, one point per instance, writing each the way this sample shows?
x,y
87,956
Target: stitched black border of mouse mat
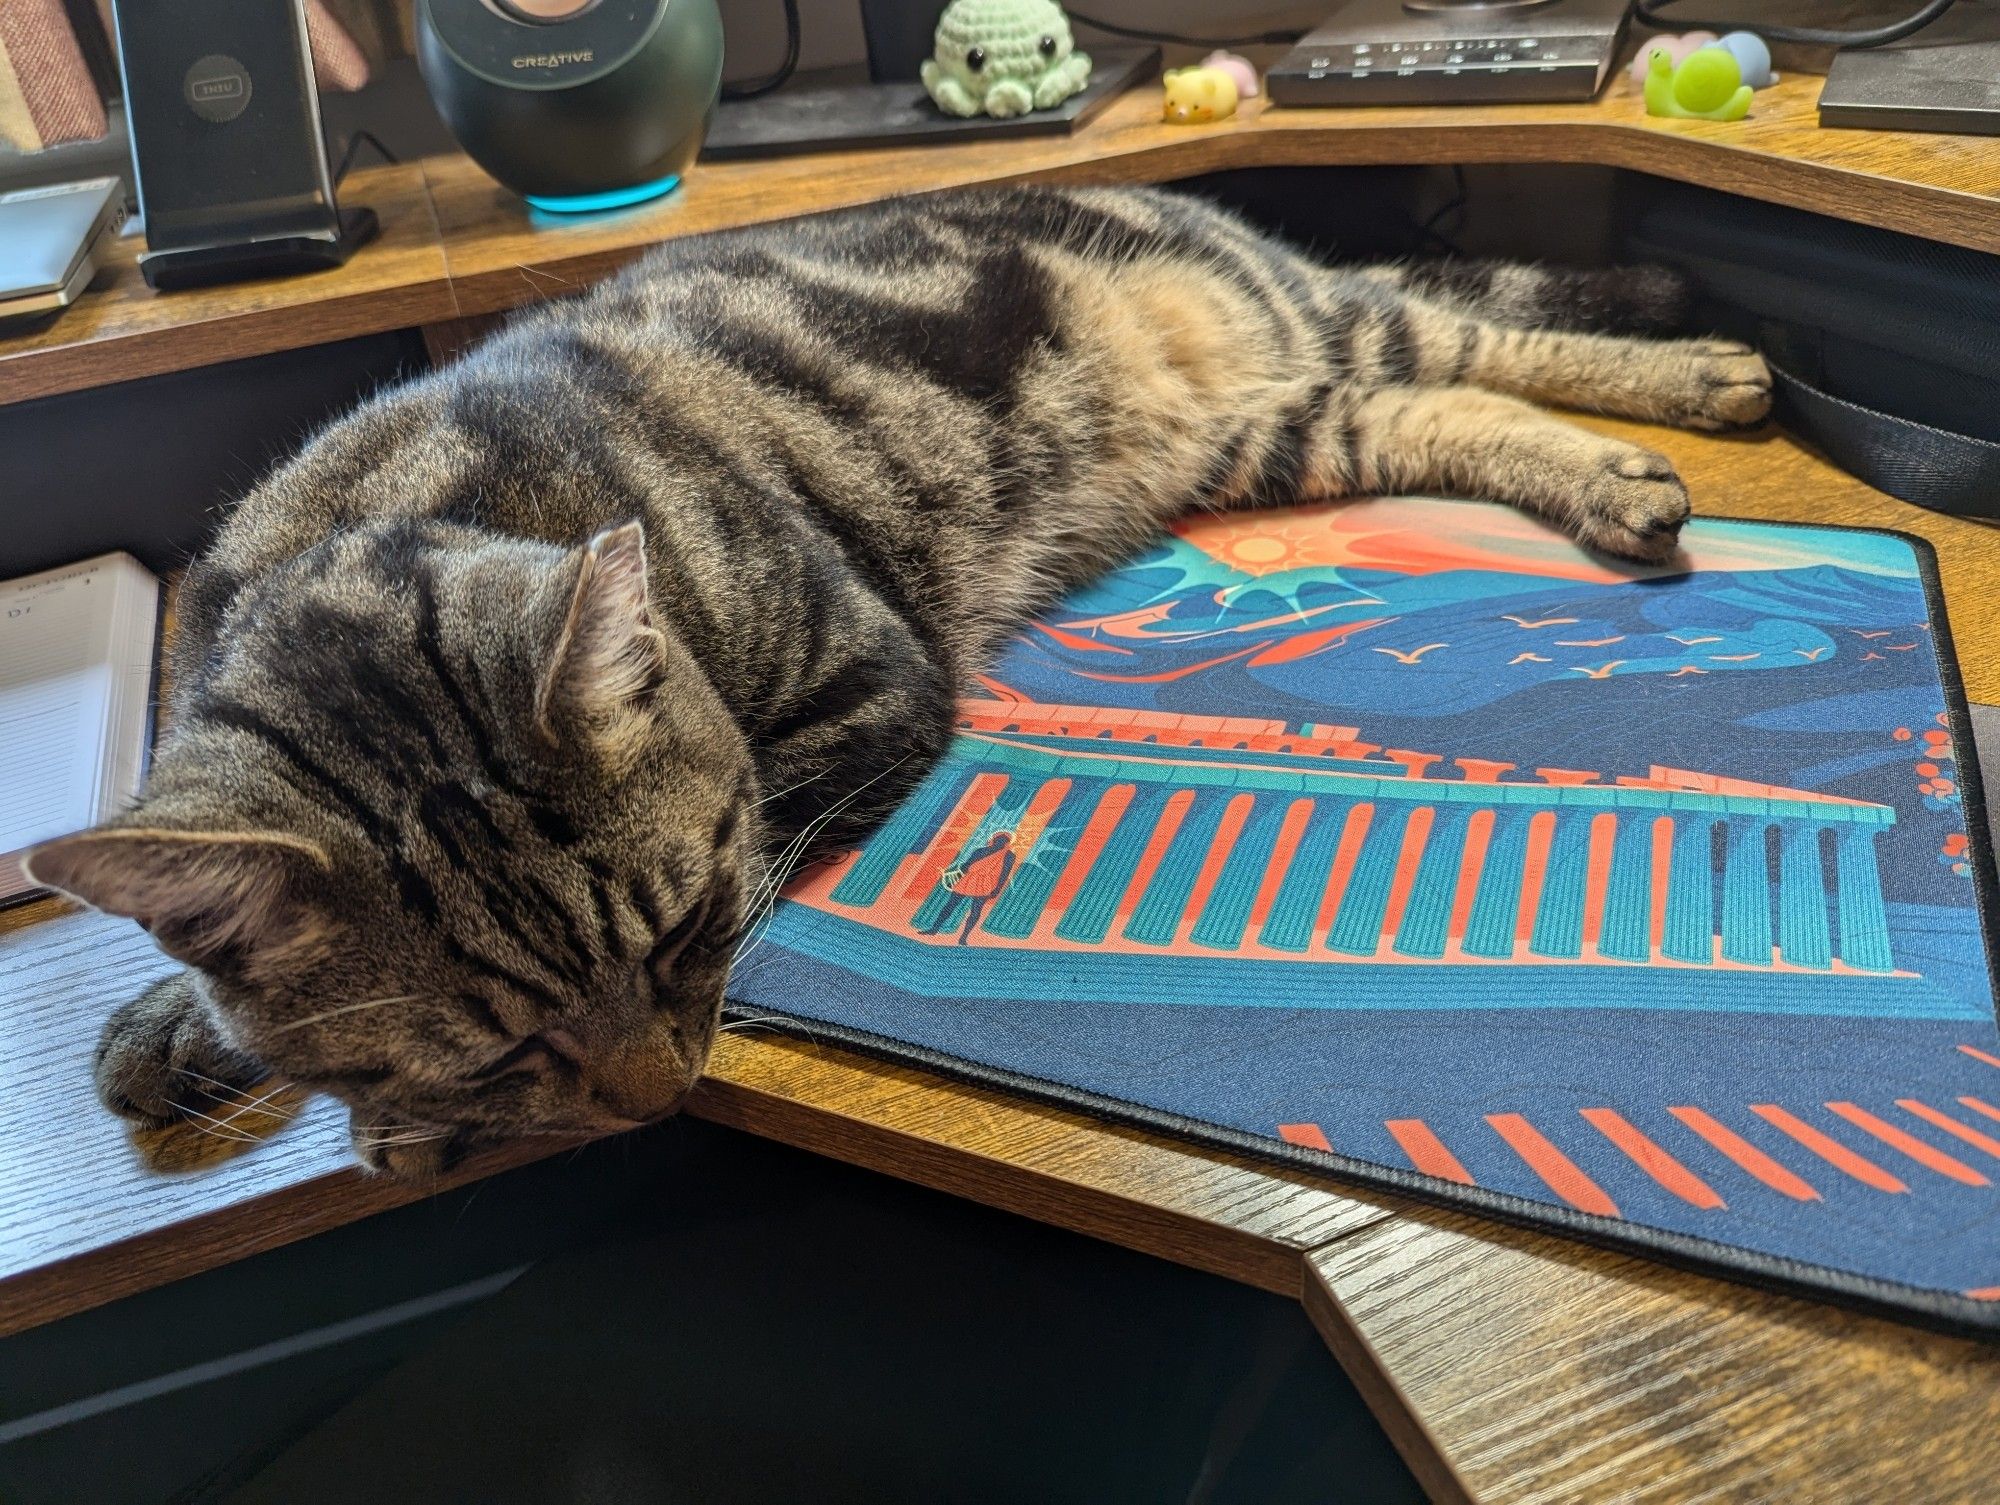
x,y
1946,1311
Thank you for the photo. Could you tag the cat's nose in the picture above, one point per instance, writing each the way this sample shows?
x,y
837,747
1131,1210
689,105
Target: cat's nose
x,y
641,1079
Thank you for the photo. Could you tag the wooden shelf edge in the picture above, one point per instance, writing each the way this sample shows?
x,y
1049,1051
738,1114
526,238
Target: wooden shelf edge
x,y
109,1272
1165,1233
1393,1409
488,256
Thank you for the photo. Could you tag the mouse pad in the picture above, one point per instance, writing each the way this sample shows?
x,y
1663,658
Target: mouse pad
x,y
1403,840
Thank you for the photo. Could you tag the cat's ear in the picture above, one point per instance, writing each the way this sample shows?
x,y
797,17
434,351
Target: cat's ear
x,y
215,900
608,658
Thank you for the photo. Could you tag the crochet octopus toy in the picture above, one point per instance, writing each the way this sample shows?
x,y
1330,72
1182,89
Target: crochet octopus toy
x,y
1003,58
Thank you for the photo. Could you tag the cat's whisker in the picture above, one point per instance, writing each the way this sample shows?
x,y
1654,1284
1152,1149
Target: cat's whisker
x,y
390,1141
346,1008
223,1128
212,1081
791,788
258,1105
230,1138
764,902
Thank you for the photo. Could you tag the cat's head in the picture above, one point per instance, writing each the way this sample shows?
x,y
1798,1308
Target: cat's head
x,y
452,827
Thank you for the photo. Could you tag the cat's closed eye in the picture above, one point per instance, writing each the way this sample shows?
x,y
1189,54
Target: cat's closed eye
x,y
667,949
536,1053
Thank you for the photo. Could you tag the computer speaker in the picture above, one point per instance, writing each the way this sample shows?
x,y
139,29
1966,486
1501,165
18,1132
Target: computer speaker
x,y
575,104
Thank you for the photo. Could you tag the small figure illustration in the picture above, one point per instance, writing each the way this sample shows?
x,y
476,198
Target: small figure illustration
x,y
975,883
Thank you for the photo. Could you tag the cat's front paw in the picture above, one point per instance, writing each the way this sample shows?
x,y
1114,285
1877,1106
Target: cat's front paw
x,y
1726,385
161,1059
1633,506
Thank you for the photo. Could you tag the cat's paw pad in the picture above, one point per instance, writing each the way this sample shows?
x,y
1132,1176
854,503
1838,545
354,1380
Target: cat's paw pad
x,y
1634,507
158,1060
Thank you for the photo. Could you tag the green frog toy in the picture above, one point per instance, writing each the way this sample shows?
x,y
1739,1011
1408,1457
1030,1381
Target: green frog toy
x,y
1003,58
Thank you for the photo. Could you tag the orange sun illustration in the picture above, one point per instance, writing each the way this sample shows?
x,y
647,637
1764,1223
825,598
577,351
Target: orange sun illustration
x,y
1267,544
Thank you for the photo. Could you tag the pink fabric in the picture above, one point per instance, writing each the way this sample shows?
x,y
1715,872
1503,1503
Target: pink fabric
x,y
338,63
61,97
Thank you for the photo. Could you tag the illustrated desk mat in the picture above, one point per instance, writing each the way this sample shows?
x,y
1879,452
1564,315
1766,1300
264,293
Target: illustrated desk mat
x,y
1403,839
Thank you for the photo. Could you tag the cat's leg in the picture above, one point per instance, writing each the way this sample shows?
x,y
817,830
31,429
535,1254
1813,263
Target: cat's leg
x,y
1606,493
1698,384
161,1057
1650,300
1403,341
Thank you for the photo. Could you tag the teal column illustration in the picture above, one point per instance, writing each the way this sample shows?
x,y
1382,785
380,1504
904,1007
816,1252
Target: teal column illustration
x,y
1803,937
1427,917
1158,914
1559,912
1019,907
1496,904
1088,916
1357,928
904,832
1746,895
1864,926
1627,932
1228,908
1289,925
1689,935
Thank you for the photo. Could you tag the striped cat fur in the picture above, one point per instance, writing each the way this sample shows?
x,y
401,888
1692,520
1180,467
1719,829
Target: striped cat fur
x,y
502,710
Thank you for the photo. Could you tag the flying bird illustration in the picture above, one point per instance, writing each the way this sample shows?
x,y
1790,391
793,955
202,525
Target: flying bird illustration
x,y
1602,671
1899,647
1876,656
1732,658
1693,642
1589,642
1686,669
1413,655
1810,655
1528,658
1880,632
1545,621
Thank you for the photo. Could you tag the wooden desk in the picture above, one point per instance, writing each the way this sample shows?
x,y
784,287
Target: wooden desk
x,y
1507,1365
454,244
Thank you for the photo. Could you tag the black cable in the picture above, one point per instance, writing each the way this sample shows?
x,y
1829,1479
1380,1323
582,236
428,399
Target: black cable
x,y
1650,12
354,145
1138,34
1429,231
751,88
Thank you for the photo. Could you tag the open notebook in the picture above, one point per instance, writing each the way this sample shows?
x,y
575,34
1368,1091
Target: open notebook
x,y
76,681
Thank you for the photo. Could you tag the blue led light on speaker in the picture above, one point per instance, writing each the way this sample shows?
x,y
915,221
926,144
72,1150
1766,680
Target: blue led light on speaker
x,y
616,198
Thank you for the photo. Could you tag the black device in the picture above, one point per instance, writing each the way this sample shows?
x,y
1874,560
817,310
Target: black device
x,y
575,104
1945,77
226,146
1394,52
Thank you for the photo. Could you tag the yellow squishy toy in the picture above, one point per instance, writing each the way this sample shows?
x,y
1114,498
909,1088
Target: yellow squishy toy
x,y
1195,96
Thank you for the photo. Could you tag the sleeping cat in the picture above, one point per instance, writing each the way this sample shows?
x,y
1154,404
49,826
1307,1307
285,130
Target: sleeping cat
x,y
502,709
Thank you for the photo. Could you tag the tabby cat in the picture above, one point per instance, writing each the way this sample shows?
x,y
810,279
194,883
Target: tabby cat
x,y
501,710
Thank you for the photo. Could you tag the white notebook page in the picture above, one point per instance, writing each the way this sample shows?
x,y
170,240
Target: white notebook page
x,y
76,648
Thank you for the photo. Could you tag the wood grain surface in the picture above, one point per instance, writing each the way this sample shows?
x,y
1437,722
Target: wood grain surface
x,y
1509,1366
455,243
89,1212
121,329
